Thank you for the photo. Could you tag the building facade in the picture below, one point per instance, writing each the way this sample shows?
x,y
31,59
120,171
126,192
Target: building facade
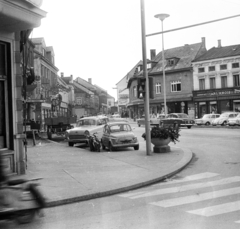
x,y
18,18
178,83
216,77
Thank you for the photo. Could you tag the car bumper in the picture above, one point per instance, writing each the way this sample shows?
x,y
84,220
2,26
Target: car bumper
x,y
125,145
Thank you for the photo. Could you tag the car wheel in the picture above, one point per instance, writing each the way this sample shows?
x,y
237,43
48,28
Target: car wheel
x,y
110,147
189,127
224,123
207,123
103,146
136,147
139,125
70,144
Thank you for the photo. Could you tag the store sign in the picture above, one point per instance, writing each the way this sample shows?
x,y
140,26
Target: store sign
x,y
217,93
123,96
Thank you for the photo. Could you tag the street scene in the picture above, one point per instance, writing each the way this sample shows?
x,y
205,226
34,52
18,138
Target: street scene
x,y
119,114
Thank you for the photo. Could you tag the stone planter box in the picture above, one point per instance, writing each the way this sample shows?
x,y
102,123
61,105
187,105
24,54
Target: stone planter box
x,y
161,145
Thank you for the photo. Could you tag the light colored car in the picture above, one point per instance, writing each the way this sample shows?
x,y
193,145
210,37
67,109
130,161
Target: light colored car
x,y
223,119
184,119
234,121
118,135
206,119
85,127
116,118
153,121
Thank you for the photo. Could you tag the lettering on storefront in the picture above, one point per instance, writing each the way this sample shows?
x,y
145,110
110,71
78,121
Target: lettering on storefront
x,y
217,93
225,61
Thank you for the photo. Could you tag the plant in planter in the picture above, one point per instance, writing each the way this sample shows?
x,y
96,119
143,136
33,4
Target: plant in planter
x,y
161,136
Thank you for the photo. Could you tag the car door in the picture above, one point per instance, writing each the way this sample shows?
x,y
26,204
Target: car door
x,y
105,135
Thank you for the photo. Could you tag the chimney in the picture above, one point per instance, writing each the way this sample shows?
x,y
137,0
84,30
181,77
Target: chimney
x,y
62,74
219,44
90,80
203,42
152,53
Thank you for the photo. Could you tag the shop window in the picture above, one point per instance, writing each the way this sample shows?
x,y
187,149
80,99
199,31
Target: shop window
x,y
134,91
211,68
236,80
176,86
201,84
158,88
200,70
235,65
223,67
224,81
212,83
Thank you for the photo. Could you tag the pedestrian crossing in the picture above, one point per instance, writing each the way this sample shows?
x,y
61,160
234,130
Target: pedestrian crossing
x,y
179,193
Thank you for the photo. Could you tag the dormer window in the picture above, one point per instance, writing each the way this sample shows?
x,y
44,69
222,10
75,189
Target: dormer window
x,y
171,62
148,65
139,68
43,52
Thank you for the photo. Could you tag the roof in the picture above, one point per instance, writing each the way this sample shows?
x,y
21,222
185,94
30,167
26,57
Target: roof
x,y
220,52
79,86
85,83
185,55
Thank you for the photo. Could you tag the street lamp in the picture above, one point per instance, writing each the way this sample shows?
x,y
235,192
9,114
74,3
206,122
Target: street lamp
x,y
162,17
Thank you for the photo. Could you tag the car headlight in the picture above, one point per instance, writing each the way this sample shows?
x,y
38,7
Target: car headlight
x,y
114,140
134,139
86,133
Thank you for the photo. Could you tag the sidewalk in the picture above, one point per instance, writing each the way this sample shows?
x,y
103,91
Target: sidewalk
x,y
73,174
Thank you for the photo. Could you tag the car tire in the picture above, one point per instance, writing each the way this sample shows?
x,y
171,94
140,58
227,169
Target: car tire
x,y
103,146
110,147
136,147
224,123
189,127
70,144
207,123
139,125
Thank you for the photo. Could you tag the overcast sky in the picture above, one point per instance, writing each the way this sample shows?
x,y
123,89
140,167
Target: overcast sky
x,y
101,39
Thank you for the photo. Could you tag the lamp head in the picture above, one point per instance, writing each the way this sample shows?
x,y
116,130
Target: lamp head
x,y
161,16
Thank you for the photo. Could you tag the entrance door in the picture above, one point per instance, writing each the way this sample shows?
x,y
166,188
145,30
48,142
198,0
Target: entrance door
x,y
2,116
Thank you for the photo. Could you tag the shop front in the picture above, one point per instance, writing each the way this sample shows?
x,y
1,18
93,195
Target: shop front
x,y
216,101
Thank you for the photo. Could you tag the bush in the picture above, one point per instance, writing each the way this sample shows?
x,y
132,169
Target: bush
x,y
164,133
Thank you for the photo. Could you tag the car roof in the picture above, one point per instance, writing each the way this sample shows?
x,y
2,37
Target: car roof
x,y
90,117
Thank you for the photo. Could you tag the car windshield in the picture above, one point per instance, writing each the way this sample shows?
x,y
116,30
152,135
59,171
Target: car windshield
x,y
120,128
182,116
86,122
206,116
224,115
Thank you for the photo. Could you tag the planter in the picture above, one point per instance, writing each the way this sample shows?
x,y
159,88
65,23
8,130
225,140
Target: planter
x,y
161,145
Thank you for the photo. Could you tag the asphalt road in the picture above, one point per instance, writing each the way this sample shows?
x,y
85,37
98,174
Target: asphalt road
x,y
205,194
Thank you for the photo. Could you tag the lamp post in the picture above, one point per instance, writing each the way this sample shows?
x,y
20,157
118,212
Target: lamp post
x,y
162,17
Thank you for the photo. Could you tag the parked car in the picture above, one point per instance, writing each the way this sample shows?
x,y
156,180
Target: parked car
x,y
223,119
116,118
206,119
118,135
153,121
234,121
85,127
185,120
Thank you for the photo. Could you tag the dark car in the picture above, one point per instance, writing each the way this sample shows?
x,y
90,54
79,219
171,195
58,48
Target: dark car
x,y
118,135
185,120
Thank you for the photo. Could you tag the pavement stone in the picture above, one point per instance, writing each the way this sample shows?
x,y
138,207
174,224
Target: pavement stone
x,y
72,174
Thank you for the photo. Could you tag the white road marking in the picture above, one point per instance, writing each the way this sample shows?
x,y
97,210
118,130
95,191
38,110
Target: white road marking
x,y
190,178
237,221
197,198
217,209
187,187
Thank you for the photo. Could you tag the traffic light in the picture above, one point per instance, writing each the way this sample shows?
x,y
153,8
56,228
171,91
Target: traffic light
x,y
141,89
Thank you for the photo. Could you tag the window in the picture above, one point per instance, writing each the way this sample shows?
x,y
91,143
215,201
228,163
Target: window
x,y
43,52
134,91
212,83
176,86
171,62
158,88
224,81
223,67
235,65
148,65
211,68
236,81
201,84
201,70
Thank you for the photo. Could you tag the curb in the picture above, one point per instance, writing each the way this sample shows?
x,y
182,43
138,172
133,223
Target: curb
x,y
188,155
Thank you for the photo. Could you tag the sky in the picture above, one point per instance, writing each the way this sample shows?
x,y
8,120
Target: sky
x,y
102,39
